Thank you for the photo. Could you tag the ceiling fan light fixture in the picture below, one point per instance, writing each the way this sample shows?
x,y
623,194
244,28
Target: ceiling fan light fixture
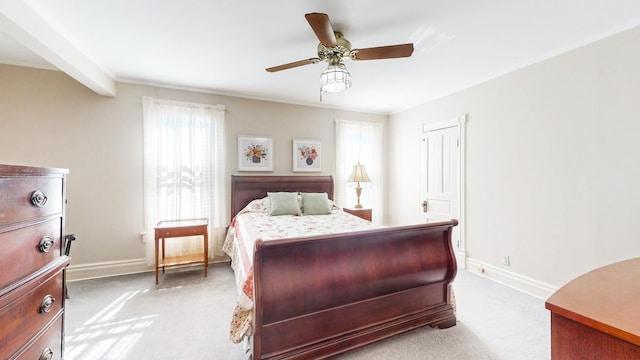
x,y
335,78
333,47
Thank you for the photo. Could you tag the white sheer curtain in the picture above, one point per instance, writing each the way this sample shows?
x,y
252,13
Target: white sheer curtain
x,y
359,141
184,171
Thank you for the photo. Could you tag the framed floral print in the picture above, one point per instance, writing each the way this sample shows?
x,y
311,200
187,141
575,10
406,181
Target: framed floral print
x,y
255,153
307,155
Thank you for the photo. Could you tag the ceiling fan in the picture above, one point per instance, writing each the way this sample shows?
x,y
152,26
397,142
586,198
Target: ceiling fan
x,y
333,48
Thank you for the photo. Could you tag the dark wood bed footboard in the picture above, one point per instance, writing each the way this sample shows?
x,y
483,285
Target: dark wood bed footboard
x,y
319,296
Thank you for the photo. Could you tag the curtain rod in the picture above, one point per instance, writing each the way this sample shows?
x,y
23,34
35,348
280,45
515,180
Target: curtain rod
x,y
149,99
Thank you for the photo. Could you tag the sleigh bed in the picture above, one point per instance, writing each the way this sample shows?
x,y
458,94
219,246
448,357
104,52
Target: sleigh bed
x,y
317,296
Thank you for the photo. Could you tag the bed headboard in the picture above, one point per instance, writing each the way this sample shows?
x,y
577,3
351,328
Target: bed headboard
x,y
247,188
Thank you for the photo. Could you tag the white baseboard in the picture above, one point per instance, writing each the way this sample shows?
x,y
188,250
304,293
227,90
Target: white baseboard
x,y
106,269
461,256
519,282
114,268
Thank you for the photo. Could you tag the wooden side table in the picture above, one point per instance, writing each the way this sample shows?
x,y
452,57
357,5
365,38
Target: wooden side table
x,y
180,228
361,213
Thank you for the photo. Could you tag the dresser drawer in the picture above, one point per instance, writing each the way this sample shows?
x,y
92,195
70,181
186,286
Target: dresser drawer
x,y
27,309
25,198
45,345
27,249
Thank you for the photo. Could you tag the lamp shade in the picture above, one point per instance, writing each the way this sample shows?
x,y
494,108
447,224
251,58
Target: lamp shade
x,y
335,78
359,174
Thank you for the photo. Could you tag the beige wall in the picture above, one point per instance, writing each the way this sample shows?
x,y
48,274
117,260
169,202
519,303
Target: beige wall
x,y
48,119
553,167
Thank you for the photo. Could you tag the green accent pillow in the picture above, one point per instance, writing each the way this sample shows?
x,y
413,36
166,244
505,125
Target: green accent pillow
x,y
284,203
315,204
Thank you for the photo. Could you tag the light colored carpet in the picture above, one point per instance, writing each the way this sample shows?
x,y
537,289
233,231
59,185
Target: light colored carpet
x,y
187,316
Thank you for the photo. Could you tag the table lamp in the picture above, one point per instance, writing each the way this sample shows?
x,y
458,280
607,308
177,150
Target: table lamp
x,y
359,174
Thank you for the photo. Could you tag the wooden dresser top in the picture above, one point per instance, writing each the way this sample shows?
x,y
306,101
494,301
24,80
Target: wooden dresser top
x,y
606,299
17,170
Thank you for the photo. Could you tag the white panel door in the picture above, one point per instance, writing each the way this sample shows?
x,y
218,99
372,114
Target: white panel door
x,y
439,175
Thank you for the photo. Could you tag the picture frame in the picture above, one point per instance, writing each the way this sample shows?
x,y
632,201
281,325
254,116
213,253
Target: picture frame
x,y
255,153
307,155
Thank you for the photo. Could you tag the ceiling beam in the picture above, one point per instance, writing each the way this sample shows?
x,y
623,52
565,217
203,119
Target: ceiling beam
x,y
21,22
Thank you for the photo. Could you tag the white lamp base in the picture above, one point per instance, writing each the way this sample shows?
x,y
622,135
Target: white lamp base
x,y
358,192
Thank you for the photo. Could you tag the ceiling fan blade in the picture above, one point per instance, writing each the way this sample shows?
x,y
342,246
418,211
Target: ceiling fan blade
x,y
383,52
293,64
322,27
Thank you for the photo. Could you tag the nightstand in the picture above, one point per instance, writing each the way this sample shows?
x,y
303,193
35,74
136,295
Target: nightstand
x,y
361,213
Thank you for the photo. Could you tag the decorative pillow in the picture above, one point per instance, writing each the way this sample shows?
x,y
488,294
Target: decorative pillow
x,y
284,203
316,204
257,205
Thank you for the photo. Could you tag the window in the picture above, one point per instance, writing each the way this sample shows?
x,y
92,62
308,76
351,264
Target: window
x,y
359,141
184,171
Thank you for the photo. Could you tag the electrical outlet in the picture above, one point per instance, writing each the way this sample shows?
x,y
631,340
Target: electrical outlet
x,y
506,261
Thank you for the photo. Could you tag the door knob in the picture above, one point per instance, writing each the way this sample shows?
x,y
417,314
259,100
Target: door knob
x,y
424,206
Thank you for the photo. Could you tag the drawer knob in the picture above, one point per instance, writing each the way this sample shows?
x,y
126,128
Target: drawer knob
x,y
46,304
47,354
38,198
46,243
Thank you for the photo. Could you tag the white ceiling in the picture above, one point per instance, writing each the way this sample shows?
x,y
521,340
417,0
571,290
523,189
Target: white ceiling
x,y
224,46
